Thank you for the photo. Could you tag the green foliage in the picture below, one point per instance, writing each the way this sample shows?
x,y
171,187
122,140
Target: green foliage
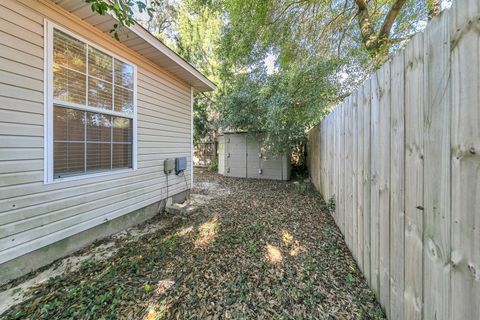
x,y
282,105
87,264
148,288
329,206
201,123
349,279
252,247
193,31
302,29
213,166
322,50
122,10
303,187
16,290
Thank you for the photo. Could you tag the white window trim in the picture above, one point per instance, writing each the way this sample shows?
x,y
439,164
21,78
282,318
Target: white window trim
x,y
49,101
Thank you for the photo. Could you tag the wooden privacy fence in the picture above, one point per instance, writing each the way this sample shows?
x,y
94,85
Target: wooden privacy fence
x,y
401,157
204,153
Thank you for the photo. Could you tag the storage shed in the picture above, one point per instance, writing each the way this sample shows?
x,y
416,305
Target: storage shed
x,y
242,155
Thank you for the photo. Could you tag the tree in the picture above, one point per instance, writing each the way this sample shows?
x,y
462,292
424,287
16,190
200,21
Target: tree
x,y
122,10
376,40
434,8
322,49
293,25
358,30
194,35
281,105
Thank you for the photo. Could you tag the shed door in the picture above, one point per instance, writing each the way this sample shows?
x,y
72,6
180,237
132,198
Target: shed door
x,y
221,155
272,168
253,158
236,156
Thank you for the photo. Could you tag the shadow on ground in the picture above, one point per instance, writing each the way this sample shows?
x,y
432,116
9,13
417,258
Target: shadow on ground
x,y
253,249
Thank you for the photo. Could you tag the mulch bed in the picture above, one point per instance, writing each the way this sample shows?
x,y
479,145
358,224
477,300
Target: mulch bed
x,y
265,250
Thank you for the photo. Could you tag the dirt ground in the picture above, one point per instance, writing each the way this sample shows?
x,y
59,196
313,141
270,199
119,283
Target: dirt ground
x,y
246,249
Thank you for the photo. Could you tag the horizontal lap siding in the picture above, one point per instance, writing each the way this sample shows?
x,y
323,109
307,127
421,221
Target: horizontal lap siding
x,y
33,215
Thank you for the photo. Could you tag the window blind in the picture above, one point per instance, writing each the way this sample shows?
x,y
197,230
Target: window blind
x,y
85,77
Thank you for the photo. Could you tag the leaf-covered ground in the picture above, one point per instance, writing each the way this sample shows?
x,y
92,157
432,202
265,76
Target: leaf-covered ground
x,y
263,250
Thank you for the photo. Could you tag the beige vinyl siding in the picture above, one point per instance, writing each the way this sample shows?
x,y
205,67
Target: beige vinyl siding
x,y
34,214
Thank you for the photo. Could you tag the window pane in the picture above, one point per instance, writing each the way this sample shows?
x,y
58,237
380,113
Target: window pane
x,y
123,74
122,129
69,144
68,158
98,127
122,155
88,141
99,94
69,125
68,85
99,64
98,156
68,51
122,143
123,100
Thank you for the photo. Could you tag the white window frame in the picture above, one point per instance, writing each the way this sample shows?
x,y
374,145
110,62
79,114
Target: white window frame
x,y
49,102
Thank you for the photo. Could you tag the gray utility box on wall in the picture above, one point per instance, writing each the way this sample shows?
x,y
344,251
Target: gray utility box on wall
x,y
241,155
180,164
168,166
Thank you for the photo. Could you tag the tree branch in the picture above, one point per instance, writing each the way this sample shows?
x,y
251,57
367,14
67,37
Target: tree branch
x,y
285,10
434,8
390,19
366,28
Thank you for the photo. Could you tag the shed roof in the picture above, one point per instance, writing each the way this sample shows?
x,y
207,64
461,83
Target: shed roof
x,y
143,42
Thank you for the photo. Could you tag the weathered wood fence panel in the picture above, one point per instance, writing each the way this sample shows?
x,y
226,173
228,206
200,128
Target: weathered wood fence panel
x,y
397,187
401,157
465,168
204,153
413,251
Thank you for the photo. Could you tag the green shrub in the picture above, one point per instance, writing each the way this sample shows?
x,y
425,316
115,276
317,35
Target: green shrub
x,y
213,166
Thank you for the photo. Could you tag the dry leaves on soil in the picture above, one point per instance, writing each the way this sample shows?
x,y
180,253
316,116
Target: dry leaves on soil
x,y
264,250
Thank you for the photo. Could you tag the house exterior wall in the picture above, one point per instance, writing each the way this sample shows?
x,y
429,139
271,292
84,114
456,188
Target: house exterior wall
x,y
33,214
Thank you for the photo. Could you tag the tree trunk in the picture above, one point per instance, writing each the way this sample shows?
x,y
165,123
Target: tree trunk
x,y
434,8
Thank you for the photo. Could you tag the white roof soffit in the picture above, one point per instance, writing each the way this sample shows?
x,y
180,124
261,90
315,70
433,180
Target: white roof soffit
x,y
143,42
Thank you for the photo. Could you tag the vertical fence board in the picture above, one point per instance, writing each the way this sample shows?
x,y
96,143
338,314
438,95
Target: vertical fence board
x,y
383,184
321,139
465,146
366,181
348,172
414,93
375,188
360,175
437,213
332,162
354,161
337,162
325,158
397,195
341,205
